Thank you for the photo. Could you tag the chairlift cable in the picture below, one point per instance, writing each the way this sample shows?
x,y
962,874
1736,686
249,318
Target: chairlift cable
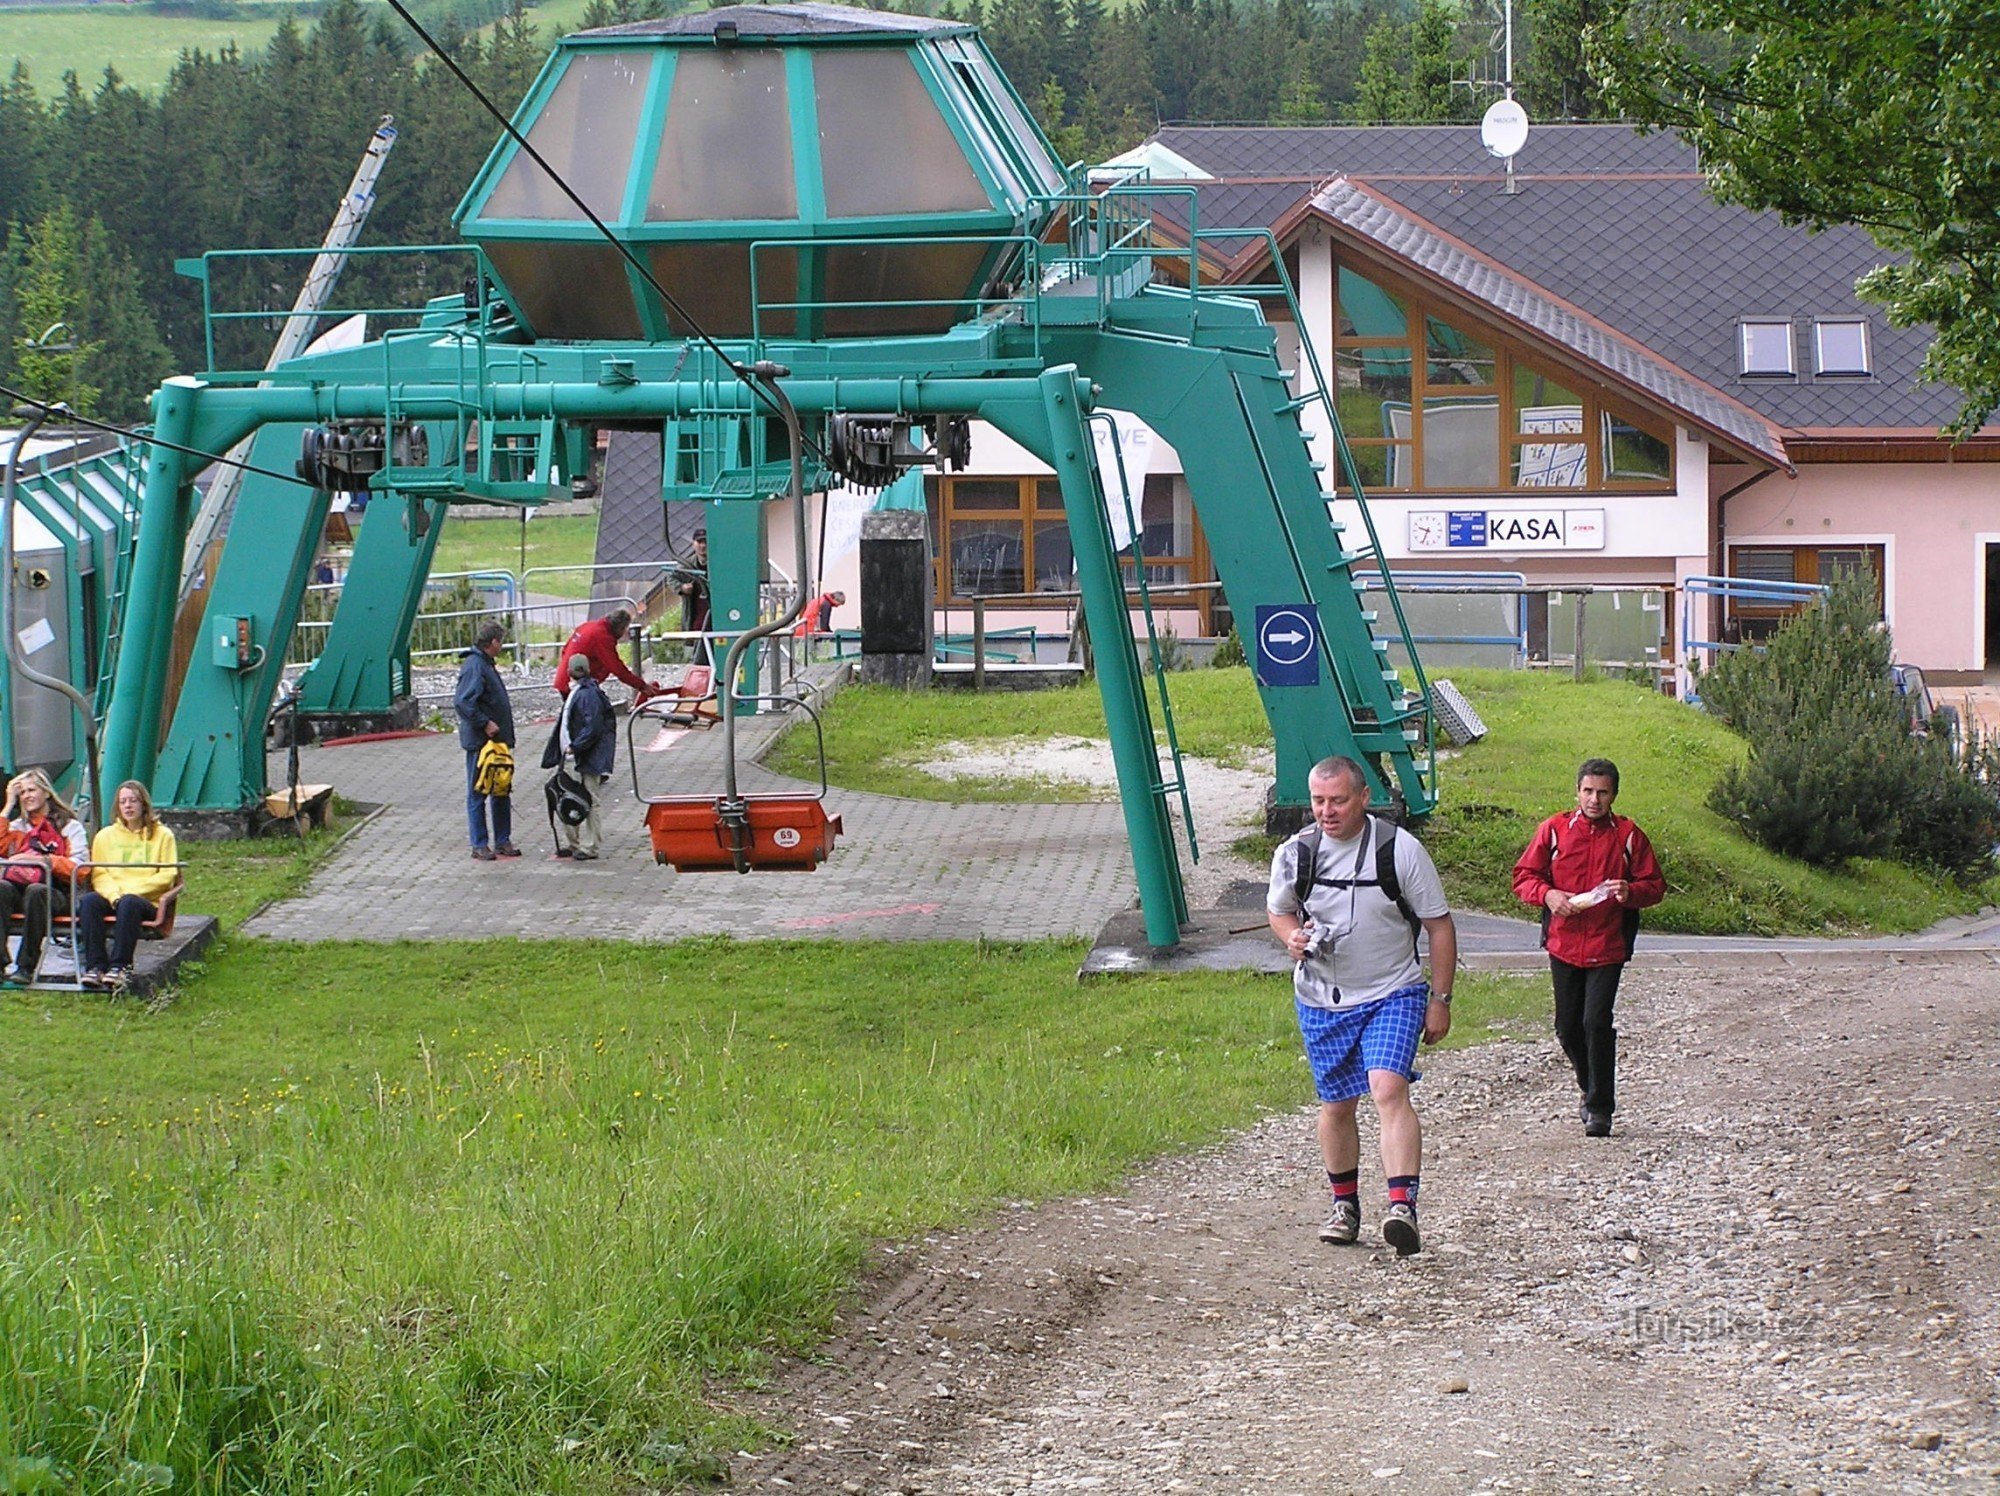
x,y
140,434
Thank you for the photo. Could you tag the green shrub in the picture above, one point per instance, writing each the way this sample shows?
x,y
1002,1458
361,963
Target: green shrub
x,y
1834,772
1229,652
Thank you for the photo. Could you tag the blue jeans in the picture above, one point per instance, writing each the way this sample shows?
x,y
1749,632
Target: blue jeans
x,y
475,808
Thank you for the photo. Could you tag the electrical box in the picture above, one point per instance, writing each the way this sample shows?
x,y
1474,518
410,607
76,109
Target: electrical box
x,y
231,635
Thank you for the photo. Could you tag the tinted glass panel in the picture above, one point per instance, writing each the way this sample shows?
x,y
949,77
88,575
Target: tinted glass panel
x,y
726,151
1762,565
1048,495
1843,347
1055,562
1368,311
568,290
938,281
586,132
1372,462
1461,442
1544,408
1767,347
985,493
1374,387
884,147
712,283
1634,455
985,556
1455,357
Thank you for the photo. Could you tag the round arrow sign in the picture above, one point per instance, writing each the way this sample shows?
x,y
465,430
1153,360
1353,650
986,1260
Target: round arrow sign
x,y
1287,638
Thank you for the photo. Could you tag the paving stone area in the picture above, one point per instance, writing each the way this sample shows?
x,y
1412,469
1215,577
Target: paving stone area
x,y
903,870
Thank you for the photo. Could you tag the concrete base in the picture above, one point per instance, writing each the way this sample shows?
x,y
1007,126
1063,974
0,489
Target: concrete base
x,y
1233,936
912,672
957,676
403,715
156,963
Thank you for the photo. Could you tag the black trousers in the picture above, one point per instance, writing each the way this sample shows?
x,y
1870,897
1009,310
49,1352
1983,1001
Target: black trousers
x,y
1584,997
34,902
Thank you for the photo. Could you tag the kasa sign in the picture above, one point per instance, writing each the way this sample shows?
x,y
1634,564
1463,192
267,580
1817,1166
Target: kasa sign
x,y
1507,530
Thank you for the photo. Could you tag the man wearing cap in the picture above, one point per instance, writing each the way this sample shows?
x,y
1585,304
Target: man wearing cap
x,y
693,587
597,642
588,733
817,616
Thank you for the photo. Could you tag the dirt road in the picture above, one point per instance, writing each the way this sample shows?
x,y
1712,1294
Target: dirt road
x,y
1780,1273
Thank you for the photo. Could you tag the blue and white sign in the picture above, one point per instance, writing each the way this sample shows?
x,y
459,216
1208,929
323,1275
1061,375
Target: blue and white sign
x,y
1506,529
1288,645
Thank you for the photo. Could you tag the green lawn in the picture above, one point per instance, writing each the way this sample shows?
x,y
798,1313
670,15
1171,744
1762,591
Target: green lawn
x,y
1491,796
144,45
498,544
345,1217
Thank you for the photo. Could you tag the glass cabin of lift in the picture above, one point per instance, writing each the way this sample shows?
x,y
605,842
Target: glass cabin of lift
x,y
785,171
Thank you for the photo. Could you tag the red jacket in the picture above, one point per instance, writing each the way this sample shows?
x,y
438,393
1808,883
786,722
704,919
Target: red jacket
x,y
1575,854
593,641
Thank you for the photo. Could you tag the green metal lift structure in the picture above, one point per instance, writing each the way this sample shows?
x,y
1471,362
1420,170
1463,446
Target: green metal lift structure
x,y
856,197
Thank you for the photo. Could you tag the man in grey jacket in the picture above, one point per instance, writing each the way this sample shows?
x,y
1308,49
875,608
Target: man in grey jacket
x,y
589,736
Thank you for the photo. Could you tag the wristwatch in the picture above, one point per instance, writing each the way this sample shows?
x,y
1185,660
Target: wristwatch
x,y
1441,997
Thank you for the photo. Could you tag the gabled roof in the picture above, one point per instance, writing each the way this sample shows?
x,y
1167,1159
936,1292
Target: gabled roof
x,y
1441,259
1616,225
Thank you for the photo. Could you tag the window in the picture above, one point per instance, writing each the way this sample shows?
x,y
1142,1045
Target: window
x,y
1462,413
1821,564
1766,348
1011,535
1840,347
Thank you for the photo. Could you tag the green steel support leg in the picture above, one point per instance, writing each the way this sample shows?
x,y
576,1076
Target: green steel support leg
x,y
212,757
1162,898
379,601
736,541
146,635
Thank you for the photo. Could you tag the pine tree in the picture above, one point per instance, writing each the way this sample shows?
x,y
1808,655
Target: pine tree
x,y
1381,94
49,299
129,358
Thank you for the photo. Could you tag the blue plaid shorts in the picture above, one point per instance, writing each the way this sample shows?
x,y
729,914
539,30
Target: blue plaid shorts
x,y
1344,1044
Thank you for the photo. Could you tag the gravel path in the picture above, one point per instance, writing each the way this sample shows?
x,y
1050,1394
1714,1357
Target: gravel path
x,y
1779,1274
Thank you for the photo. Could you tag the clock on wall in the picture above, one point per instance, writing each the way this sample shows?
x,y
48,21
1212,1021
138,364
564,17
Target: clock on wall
x,y
1428,531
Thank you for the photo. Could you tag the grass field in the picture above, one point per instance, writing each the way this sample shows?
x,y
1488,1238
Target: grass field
x,y
502,1217
497,544
143,46
1491,797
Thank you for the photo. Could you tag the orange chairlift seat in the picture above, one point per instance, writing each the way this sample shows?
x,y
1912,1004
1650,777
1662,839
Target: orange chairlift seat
x,y
713,833
690,701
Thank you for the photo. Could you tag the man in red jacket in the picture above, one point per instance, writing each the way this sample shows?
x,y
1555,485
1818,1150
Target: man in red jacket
x,y
597,641
1590,872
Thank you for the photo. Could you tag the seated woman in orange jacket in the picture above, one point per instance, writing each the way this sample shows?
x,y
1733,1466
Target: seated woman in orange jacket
x,y
41,842
129,874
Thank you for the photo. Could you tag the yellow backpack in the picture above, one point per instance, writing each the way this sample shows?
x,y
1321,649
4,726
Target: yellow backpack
x,y
493,774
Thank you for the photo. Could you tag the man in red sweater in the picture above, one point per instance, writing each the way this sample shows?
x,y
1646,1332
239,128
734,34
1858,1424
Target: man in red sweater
x,y
597,641
1590,872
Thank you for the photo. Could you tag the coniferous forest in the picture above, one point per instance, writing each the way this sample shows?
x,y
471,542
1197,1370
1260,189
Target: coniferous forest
x,y
102,187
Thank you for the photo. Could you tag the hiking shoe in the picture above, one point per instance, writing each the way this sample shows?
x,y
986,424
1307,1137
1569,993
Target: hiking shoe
x,y
1596,1125
564,852
482,854
1343,1227
1399,1229
583,857
506,849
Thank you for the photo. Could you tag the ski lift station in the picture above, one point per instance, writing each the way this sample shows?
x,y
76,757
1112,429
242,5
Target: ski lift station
x,y
794,245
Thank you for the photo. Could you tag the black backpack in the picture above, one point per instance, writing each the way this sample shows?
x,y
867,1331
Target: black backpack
x,y
569,801
1384,830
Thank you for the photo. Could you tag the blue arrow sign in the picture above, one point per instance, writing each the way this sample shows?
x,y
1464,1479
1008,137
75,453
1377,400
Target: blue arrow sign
x,y
1288,645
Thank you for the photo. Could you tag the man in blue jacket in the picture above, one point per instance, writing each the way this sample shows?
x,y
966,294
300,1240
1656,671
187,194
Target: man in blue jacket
x,y
589,736
485,714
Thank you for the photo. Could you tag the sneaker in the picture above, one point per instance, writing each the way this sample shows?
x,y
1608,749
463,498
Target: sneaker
x,y
482,854
506,849
1596,1125
583,857
13,976
91,979
1399,1229
118,978
1343,1227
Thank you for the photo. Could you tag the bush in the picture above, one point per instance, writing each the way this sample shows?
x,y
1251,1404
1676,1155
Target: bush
x,y
1834,772
1229,652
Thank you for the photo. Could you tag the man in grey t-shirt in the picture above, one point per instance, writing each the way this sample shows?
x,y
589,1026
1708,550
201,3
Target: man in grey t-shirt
x,y
1362,1000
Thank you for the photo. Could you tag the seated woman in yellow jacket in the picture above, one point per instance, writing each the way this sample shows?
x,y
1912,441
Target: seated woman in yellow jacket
x,y
121,887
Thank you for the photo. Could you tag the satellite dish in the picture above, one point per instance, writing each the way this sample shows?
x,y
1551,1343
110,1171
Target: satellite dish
x,y
1504,130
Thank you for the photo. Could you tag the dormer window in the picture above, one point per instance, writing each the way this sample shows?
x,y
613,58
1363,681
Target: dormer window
x,y
1840,346
1765,344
